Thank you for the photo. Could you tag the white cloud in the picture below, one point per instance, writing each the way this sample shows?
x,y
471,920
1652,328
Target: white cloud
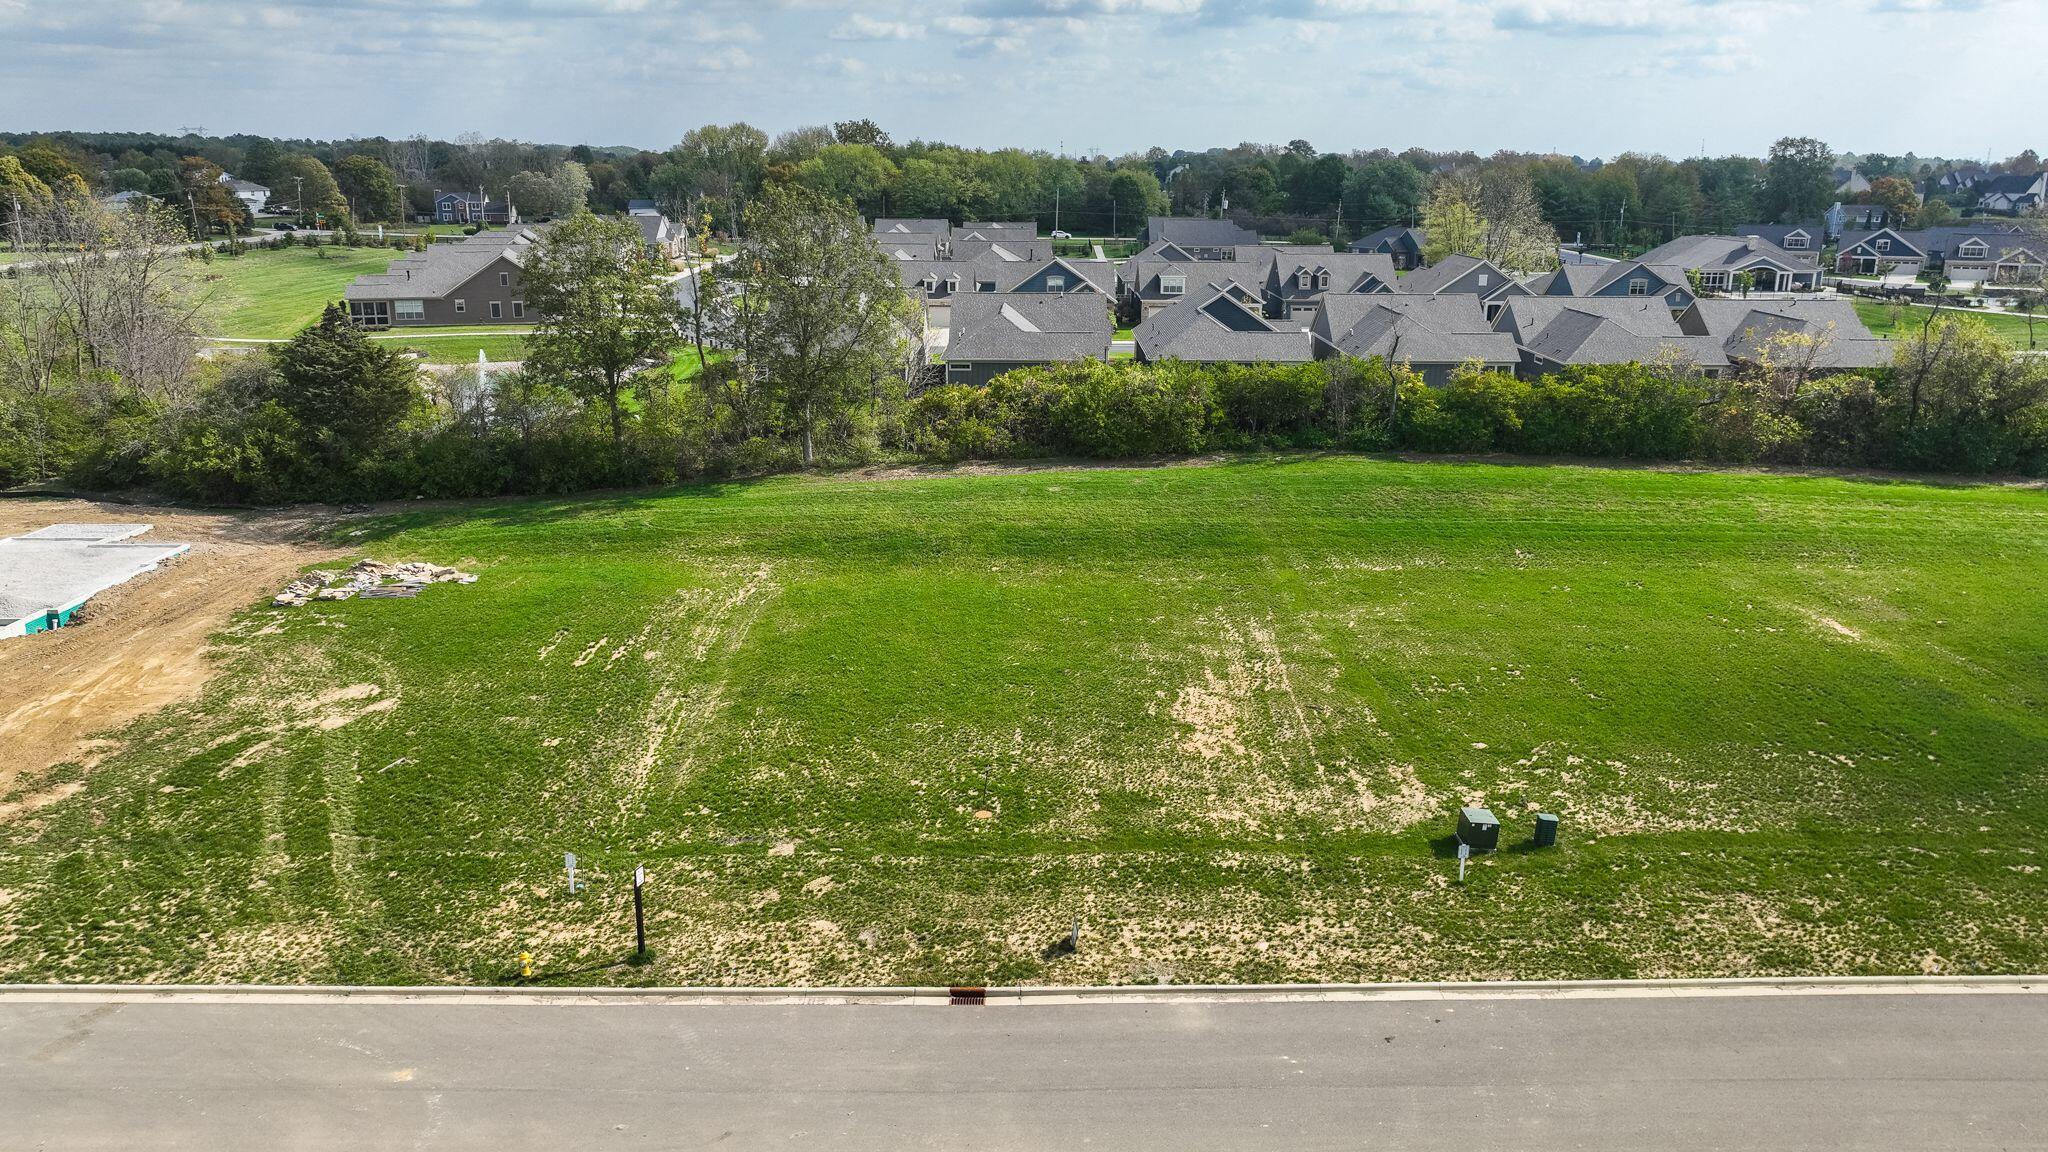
x,y
861,26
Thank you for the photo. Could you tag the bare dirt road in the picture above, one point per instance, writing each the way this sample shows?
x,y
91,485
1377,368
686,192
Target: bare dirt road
x,y
140,646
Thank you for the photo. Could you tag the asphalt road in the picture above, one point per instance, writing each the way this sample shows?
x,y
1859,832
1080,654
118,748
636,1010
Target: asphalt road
x,y
1783,1072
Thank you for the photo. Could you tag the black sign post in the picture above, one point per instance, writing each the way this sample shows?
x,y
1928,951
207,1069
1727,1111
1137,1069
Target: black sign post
x,y
639,917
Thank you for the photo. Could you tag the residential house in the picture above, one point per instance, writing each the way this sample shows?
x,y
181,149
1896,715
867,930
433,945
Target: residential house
x,y
642,208
1432,335
1011,251
993,333
898,228
128,200
1298,281
1719,260
1221,324
1975,252
473,208
1962,179
934,283
1404,245
475,281
1012,232
1861,218
1155,283
253,196
1462,275
1553,333
664,240
1200,237
1807,236
1821,333
2015,193
1850,182
1620,279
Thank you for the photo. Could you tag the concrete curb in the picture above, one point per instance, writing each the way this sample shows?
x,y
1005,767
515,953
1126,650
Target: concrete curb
x,y
1037,996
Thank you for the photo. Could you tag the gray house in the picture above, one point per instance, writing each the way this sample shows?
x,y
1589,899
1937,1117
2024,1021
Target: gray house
x,y
1806,236
1624,279
472,208
993,333
1432,335
1200,237
2014,193
1974,253
1156,283
1298,281
1221,324
476,281
1459,275
1403,244
1553,333
664,240
1719,260
1823,332
893,227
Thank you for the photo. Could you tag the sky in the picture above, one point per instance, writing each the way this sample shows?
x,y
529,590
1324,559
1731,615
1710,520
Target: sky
x,y
1585,77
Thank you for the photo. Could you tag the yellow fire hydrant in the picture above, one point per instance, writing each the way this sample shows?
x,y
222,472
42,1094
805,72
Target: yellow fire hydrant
x,y
526,965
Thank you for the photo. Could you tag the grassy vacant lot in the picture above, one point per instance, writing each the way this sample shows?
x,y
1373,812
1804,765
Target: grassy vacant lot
x,y
459,349
908,729
271,293
1883,320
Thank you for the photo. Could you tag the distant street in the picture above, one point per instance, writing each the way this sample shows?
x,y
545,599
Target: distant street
x,y
1964,1070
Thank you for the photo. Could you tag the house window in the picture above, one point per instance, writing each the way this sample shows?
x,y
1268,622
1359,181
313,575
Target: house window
x,y
497,310
984,285
1639,287
409,309
1974,250
1301,281
1796,240
504,279
1172,285
1055,283
519,309
952,283
1482,279
1322,279
461,306
1884,245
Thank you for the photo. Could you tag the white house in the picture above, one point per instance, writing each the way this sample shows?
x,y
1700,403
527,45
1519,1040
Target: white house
x,y
252,196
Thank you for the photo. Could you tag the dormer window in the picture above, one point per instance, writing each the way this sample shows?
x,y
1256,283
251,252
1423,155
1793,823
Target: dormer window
x,y
952,283
1323,280
1884,245
1796,240
1172,285
931,283
1055,283
1973,250
1639,287
984,285
1301,280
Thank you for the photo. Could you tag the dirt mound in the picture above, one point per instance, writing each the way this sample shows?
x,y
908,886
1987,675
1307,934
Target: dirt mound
x,y
142,645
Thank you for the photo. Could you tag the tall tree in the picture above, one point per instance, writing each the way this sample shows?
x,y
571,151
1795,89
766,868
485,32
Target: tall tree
x,y
1799,181
862,131
369,187
829,310
1451,221
347,392
208,203
605,309
310,187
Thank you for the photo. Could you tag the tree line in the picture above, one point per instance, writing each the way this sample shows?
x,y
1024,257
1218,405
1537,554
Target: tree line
x,y
1631,201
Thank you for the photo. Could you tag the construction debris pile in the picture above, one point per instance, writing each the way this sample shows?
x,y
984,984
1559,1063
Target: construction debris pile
x,y
371,579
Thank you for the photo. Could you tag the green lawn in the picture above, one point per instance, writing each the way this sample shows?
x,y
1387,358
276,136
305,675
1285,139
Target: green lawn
x,y
1881,319
274,292
460,349
907,730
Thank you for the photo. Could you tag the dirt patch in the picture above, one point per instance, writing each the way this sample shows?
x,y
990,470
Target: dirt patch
x,y
142,645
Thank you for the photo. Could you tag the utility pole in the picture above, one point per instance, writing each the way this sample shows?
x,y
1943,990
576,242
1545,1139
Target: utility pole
x,y
1056,189
300,183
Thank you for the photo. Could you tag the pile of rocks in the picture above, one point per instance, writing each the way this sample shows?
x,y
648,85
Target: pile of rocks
x,y
363,575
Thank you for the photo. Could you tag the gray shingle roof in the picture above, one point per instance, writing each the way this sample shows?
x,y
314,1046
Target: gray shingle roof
x,y
1604,330
442,268
1413,329
1029,328
1730,252
1446,274
1346,271
1218,326
892,226
1745,328
1399,237
1198,231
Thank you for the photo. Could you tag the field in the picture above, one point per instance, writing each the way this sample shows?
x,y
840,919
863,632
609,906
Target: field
x,y
909,727
1882,320
460,349
271,293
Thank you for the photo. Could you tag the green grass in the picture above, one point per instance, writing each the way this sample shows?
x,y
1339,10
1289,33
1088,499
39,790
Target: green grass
x,y
1882,320
272,293
1124,333
1224,715
460,349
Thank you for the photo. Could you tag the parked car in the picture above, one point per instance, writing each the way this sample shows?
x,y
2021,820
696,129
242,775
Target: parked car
x,y
1059,235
